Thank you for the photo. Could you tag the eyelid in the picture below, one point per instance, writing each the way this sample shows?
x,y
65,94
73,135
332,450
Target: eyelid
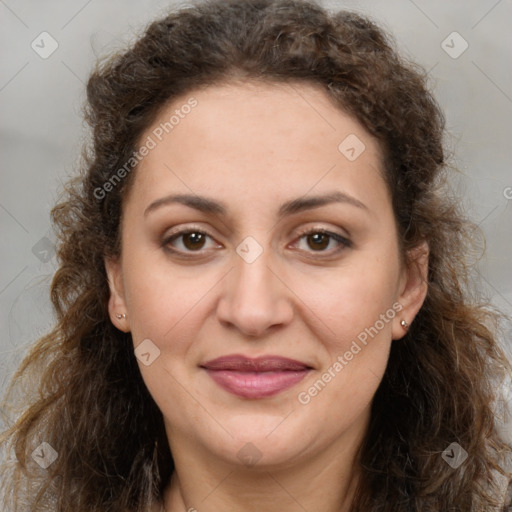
x,y
187,229
321,229
175,233
342,240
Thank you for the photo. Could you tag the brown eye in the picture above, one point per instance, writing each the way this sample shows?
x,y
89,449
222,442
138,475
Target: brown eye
x,y
318,241
194,240
190,241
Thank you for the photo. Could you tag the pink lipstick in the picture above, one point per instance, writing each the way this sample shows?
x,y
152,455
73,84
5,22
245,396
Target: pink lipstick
x,y
261,377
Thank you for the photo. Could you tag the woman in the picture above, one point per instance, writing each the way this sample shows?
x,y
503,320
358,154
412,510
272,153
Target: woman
x,y
262,292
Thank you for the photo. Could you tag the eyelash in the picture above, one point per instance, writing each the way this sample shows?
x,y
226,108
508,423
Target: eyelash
x,y
344,242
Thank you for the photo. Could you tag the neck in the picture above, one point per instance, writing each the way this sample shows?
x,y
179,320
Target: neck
x,y
325,483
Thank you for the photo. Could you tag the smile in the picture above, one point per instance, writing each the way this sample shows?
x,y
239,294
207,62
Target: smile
x,y
256,378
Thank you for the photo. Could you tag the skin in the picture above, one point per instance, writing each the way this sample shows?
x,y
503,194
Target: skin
x,y
254,146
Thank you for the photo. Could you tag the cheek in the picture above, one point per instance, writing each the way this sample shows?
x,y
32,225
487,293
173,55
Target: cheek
x,y
161,299
358,310
357,306
169,309
352,299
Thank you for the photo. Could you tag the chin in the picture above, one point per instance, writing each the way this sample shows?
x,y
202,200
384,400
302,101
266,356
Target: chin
x,y
263,441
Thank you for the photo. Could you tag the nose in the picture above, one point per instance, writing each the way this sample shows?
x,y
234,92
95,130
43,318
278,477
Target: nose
x,y
255,297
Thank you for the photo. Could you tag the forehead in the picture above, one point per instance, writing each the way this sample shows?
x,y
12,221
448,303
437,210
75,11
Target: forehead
x,y
258,139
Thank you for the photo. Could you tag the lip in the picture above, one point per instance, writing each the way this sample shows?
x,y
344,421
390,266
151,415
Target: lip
x,y
255,378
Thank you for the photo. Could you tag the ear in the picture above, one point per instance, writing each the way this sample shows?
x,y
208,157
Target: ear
x,y
413,288
116,301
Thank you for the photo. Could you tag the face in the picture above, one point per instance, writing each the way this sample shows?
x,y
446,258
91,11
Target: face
x,y
260,273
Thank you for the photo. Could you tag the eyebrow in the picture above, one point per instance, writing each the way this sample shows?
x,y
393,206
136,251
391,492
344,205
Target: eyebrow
x,y
201,203
307,203
206,205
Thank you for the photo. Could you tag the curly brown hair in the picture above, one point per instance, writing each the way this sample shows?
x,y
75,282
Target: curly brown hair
x,y
438,385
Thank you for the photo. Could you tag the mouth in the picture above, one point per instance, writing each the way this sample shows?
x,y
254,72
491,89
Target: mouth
x,y
261,377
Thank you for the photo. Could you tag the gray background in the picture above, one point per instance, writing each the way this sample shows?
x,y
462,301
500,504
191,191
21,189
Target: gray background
x,y
42,130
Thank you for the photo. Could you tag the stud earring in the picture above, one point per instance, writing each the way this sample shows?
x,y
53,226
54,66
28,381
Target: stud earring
x,y
119,316
404,324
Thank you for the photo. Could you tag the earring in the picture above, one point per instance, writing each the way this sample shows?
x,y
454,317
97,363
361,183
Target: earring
x,y
119,316
404,324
